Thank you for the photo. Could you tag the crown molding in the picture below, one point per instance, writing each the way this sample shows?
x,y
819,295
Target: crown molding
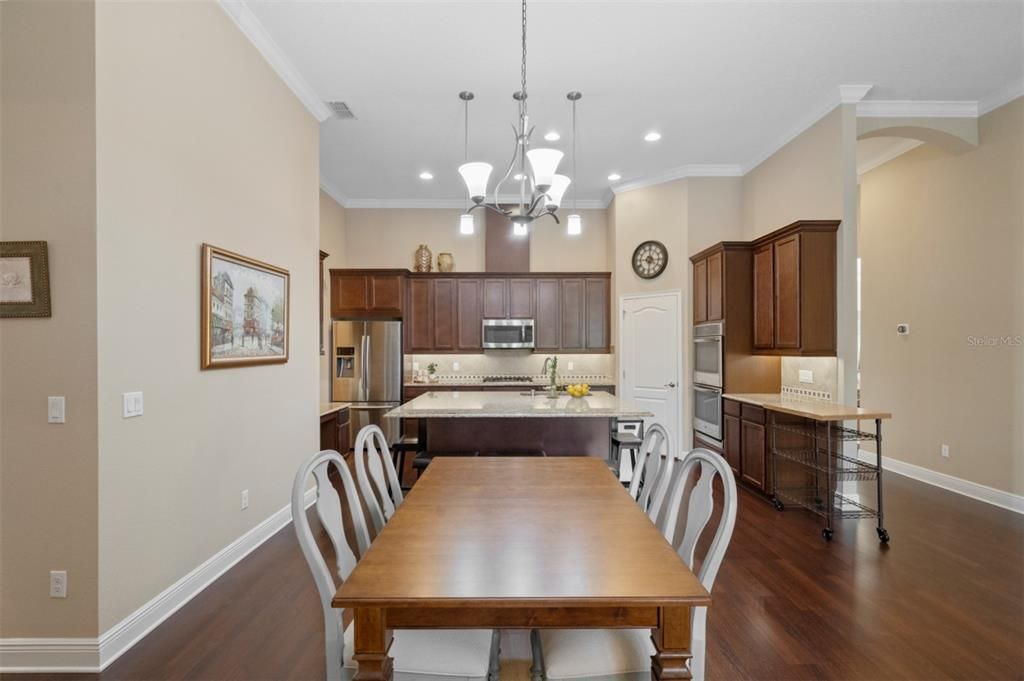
x,y
1003,96
332,191
851,94
253,29
680,173
906,108
455,204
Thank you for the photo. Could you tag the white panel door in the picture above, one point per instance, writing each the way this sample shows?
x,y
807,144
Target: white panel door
x,y
650,358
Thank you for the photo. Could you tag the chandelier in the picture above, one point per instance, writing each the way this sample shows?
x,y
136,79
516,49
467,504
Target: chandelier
x,y
540,187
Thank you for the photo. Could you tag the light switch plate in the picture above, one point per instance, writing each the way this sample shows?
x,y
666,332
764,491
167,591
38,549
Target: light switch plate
x,y
806,376
131,404
55,409
569,366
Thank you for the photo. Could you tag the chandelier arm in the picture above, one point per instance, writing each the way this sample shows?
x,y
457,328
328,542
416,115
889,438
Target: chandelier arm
x,y
554,216
511,165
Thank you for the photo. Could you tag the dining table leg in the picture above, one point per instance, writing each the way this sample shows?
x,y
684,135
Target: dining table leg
x,y
372,642
672,640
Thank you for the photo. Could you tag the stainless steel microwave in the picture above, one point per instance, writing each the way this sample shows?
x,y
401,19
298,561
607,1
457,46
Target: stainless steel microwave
x,y
508,333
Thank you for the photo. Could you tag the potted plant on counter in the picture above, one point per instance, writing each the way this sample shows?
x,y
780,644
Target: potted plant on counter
x,y
432,372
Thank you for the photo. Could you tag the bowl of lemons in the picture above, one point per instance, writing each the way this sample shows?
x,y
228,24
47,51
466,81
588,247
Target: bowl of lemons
x,y
578,389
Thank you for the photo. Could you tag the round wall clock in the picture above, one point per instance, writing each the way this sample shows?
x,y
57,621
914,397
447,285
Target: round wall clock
x,y
650,259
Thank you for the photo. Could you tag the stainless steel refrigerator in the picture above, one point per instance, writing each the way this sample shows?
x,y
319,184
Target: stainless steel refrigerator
x,y
367,371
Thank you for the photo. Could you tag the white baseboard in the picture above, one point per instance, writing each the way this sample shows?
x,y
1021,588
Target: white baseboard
x,y
91,655
974,490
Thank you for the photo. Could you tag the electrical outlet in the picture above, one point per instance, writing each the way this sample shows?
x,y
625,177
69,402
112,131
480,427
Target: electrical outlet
x,y
415,366
806,376
945,451
569,366
455,366
245,499
58,584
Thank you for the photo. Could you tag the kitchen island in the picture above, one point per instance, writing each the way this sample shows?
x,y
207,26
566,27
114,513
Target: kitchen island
x,y
487,422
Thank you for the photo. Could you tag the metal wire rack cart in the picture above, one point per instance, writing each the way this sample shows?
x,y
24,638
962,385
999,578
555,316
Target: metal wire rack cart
x,y
816,449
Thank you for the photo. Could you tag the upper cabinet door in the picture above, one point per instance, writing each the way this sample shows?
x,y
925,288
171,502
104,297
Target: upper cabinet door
x,y
787,292
598,303
419,319
715,311
573,314
349,294
520,298
469,295
764,297
548,323
445,315
495,298
385,293
700,291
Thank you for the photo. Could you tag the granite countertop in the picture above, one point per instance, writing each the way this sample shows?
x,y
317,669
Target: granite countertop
x,y
331,407
818,410
490,404
538,382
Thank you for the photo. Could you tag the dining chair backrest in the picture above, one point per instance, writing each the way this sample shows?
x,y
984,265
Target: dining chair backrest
x,y
373,463
697,495
653,470
328,509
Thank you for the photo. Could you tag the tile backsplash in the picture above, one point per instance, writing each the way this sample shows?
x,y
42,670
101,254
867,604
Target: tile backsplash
x,y
824,377
512,362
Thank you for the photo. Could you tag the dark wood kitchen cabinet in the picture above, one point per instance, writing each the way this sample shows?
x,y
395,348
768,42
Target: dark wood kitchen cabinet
x,y
754,465
708,303
495,293
548,322
598,313
469,296
520,298
795,289
732,447
419,318
573,313
445,314
334,430
367,294
745,444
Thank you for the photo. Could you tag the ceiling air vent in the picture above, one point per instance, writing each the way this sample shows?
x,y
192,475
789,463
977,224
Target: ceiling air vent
x,y
341,110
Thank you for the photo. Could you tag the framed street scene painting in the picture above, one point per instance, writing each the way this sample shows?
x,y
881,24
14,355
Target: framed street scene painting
x,y
24,279
244,311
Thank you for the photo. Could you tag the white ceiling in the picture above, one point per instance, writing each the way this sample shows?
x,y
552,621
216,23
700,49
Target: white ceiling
x,y
724,82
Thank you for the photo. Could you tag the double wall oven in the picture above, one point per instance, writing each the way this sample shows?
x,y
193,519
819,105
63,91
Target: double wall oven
x,y
708,369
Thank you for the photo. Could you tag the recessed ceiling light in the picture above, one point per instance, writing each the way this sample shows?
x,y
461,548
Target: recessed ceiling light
x,y
552,136
426,175
652,136
614,177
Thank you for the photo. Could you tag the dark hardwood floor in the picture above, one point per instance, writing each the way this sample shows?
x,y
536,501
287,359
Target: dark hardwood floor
x,y
944,601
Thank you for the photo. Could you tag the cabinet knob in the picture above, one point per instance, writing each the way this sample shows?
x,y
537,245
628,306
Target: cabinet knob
x,y
670,385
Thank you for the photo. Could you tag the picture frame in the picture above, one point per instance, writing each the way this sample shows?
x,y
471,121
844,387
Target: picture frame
x,y
244,310
24,279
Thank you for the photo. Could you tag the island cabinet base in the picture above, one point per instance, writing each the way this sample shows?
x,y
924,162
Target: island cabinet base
x,y
553,436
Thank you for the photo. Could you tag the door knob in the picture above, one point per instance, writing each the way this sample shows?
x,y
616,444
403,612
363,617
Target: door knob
x,y
670,385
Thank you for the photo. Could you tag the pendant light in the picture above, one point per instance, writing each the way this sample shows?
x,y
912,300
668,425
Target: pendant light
x,y
466,220
574,225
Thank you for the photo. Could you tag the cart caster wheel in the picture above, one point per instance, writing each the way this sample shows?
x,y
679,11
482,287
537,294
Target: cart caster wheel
x,y
883,535
827,534
779,506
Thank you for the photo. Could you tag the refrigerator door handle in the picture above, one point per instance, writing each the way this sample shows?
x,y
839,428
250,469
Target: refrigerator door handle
x,y
367,363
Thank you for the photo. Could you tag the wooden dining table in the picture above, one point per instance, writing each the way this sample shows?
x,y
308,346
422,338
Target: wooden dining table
x,y
521,543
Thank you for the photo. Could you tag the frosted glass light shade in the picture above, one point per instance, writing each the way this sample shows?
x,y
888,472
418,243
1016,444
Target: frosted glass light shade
x,y
475,175
544,163
466,223
558,186
519,228
574,225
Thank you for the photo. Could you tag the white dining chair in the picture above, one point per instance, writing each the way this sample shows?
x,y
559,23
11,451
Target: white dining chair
x,y
417,654
626,653
377,477
653,471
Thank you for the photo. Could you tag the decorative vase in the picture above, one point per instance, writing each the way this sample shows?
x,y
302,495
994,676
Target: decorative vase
x,y
445,262
423,259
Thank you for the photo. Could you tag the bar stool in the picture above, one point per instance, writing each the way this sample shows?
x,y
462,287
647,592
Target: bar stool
x,y
628,435
408,443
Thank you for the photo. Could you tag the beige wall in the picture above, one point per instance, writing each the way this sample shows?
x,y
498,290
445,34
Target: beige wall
x,y
942,246
332,242
801,181
198,141
48,490
388,237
